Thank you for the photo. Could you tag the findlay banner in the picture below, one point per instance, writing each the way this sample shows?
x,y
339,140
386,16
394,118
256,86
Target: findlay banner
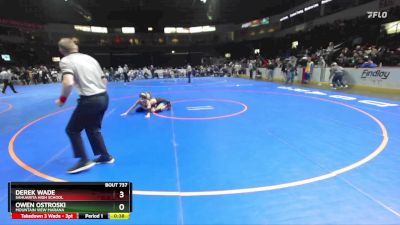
x,y
384,77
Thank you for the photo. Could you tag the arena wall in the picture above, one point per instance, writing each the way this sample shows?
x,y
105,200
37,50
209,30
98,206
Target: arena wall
x,y
383,77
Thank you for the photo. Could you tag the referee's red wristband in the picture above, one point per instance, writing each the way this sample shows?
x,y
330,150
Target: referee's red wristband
x,y
63,99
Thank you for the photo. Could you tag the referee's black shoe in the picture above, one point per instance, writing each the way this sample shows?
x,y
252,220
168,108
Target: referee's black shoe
x,y
81,165
104,159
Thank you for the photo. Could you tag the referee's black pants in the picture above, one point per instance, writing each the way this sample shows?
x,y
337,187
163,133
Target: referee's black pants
x,y
7,83
88,116
189,76
126,77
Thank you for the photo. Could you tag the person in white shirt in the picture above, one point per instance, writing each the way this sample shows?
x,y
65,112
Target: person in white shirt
x,y
124,72
6,75
189,73
84,72
146,73
337,74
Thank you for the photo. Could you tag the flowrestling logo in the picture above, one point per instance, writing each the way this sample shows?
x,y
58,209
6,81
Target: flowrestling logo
x,y
380,15
375,74
342,97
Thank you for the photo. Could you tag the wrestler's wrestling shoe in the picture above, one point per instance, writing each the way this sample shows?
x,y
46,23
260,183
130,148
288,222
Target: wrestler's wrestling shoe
x,y
81,165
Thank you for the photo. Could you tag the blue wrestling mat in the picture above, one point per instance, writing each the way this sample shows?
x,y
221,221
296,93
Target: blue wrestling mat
x,y
231,151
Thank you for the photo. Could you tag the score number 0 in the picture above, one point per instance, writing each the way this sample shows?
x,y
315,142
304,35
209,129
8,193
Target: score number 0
x,y
121,195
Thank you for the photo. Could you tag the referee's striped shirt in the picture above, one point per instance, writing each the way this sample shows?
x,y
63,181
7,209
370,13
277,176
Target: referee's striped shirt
x,y
86,71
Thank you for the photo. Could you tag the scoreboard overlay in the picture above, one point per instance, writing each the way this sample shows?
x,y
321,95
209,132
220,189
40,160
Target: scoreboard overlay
x,y
70,200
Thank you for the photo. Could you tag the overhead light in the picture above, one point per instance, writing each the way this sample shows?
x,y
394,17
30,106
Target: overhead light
x,y
172,51
203,1
92,29
185,30
95,29
311,7
169,30
208,28
150,29
298,12
182,30
128,30
195,29
245,25
325,1
284,18
82,28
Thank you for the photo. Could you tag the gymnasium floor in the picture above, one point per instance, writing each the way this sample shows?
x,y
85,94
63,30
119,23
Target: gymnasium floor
x,y
231,151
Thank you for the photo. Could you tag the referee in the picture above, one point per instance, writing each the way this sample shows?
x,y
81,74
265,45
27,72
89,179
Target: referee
x,y
189,73
85,73
7,80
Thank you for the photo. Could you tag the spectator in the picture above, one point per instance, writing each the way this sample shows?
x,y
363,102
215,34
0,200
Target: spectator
x,y
309,69
368,64
6,76
292,70
271,68
337,74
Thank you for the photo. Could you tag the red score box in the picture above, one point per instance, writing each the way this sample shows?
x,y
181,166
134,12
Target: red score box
x,y
44,216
